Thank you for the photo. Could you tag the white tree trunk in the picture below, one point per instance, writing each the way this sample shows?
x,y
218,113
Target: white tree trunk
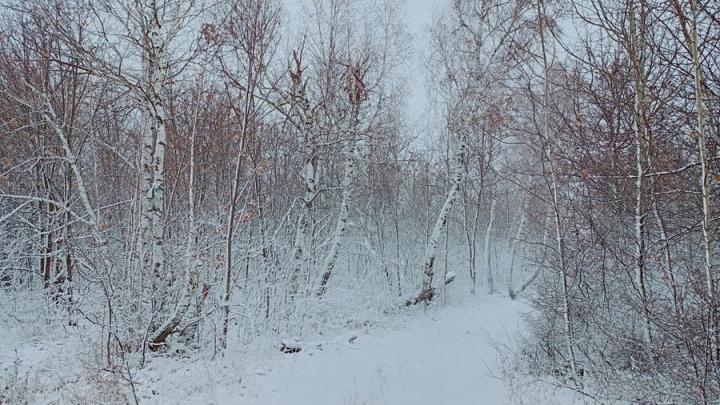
x,y
555,193
641,139
93,220
192,273
488,237
311,183
154,140
513,248
710,260
662,229
342,221
158,117
427,291
536,272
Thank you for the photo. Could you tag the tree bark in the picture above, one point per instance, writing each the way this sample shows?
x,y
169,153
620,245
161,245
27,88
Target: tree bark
x,y
427,291
192,273
488,235
640,128
343,214
555,195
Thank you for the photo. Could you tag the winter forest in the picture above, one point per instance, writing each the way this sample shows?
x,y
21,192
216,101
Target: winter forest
x,y
228,201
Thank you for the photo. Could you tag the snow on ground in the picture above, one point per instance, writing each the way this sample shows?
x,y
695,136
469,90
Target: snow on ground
x,y
440,355
444,354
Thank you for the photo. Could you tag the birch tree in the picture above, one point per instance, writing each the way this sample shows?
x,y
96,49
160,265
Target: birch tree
x,y
427,291
488,238
550,170
635,50
357,94
192,272
305,120
689,29
245,48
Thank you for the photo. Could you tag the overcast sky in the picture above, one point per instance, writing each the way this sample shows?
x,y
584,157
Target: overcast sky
x,y
419,17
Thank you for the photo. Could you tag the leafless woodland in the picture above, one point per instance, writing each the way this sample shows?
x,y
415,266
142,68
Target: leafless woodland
x,y
185,175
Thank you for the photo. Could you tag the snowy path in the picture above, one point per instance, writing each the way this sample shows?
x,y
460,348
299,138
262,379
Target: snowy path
x,y
439,356
444,356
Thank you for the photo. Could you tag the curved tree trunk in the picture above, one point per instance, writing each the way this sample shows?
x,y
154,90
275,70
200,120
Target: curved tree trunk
x,y
342,221
427,291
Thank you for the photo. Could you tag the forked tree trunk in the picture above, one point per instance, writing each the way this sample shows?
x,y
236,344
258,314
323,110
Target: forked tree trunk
x,y
310,176
356,93
343,215
192,273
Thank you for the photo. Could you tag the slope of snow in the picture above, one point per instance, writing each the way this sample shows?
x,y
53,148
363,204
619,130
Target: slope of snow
x,y
440,355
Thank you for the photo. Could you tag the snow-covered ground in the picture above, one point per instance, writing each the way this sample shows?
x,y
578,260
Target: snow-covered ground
x,y
441,354
441,357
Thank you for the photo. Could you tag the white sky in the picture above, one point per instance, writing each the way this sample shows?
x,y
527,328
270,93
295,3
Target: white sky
x,y
419,18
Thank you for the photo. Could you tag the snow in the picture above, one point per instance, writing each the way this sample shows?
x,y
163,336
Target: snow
x,y
442,357
445,353
435,355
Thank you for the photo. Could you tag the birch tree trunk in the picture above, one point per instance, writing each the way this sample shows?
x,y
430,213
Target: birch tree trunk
x,y
640,129
310,175
514,293
691,39
516,239
357,94
471,237
154,140
234,197
555,195
343,214
427,291
192,273
488,235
